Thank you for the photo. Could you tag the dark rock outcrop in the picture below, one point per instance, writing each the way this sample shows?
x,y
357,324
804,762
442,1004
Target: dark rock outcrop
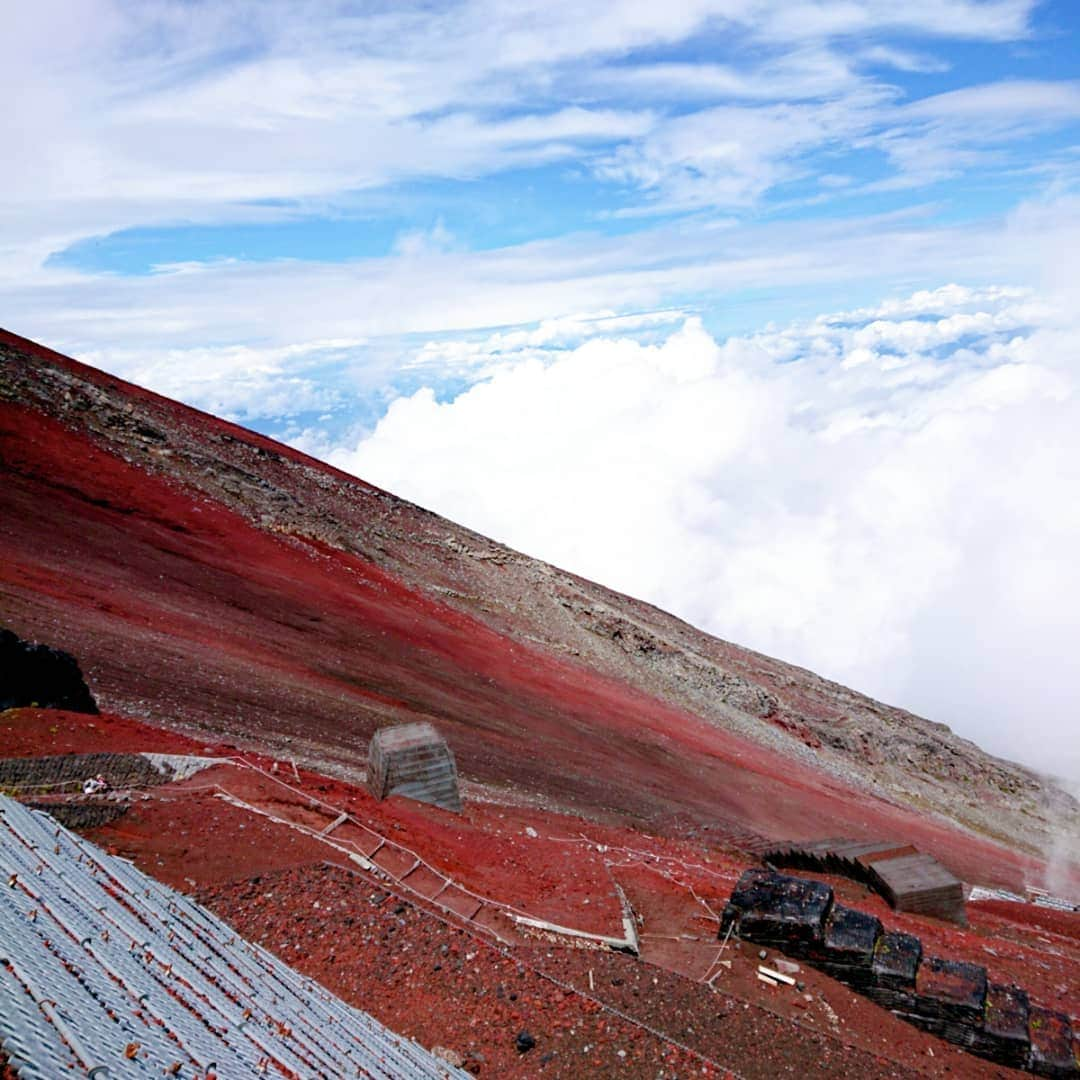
x,y
950,1000
896,963
1004,1037
951,989
37,675
1051,1044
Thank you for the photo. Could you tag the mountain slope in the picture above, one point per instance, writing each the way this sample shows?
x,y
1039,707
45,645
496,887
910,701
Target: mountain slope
x,y
208,578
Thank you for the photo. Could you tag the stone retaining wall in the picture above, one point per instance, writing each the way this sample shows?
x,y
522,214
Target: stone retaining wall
x,y
66,772
80,816
949,998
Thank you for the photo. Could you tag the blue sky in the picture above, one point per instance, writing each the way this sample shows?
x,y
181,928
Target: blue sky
x,y
539,266
722,119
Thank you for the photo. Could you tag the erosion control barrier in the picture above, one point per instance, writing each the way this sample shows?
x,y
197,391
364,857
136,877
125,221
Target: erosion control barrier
x,y
106,972
910,880
80,815
56,784
951,999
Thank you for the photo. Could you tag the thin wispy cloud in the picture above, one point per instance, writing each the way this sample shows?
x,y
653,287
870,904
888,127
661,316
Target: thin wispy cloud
x,y
161,113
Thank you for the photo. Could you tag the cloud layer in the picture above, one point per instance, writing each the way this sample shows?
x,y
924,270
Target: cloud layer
x,y
883,495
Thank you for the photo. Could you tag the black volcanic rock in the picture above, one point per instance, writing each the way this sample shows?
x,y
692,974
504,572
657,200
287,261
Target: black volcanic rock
x,y
1051,1043
951,989
1004,1037
896,960
771,908
848,948
36,675
895,965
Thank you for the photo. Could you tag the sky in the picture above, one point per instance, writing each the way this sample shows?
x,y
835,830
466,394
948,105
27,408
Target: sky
x,y
766,311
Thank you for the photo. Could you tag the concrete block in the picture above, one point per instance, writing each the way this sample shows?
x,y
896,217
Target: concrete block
x,y
413,760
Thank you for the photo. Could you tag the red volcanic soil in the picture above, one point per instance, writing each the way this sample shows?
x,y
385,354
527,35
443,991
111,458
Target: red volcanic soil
x,y
41,732
1047,920
433,982
564,873
184,609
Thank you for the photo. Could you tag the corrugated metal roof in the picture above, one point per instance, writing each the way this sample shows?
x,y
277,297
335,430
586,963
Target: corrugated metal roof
x,y
106,972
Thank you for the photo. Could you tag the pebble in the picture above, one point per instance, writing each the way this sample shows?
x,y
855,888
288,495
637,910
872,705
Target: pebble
x,y
524,1042
451,1057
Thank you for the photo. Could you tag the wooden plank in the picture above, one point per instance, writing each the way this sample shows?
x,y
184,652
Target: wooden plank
x,y
459,902
778,976
425,881
396,862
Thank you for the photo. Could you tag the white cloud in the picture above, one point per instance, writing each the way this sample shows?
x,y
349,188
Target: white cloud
x,y
732,155
940,136
240,382
420,242
1006,102
902,60
796,74
278,304
474,357
729,155
904,524
1002,20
